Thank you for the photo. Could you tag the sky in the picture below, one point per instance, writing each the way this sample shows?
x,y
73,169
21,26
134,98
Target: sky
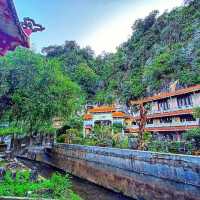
x,y
101,24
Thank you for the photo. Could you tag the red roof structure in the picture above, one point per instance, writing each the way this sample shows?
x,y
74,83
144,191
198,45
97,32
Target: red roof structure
x,y
102,109
168,94
87,117
118,115
12,32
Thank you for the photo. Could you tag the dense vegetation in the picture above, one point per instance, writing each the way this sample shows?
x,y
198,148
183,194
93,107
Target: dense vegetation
x,y
33,91
20,185
162,49
105,136
36,88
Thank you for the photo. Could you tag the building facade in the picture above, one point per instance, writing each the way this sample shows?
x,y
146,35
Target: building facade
x,y
170,113
103,115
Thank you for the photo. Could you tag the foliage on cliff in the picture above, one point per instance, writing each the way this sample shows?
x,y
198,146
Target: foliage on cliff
x,y
162,49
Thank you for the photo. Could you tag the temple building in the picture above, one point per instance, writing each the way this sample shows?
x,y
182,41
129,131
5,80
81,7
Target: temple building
x,y
170,114
103,115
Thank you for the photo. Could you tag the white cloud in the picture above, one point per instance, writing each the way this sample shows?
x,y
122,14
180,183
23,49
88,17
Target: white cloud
x,y
117,29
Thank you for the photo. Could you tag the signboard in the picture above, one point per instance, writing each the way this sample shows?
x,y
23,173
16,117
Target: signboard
x,y
57,122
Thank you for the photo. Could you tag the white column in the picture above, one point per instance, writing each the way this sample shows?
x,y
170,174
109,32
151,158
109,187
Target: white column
x,y
84,132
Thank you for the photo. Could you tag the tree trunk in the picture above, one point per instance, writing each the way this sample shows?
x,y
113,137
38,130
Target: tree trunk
x,y
142,124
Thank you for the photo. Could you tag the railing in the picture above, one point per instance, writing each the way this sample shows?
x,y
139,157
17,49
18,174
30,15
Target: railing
x,y
171,109
158,125
152,112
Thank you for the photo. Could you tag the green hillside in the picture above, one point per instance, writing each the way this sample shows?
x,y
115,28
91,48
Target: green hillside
x,y
161,49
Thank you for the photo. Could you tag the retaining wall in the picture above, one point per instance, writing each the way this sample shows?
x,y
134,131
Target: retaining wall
x,y
138,174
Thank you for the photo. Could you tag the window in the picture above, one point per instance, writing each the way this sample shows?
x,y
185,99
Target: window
x,y
184,100
166,120
187,118
134,123
163,105
150,121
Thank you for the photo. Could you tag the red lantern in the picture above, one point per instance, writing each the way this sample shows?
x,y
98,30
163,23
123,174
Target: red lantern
x,y
12,32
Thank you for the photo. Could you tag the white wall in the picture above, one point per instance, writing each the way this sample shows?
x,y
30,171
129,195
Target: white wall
x,y
196,99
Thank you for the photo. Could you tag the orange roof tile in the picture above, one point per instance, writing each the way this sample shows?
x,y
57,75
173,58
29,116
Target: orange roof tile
x,y
87,117
102,109
167,94
118,115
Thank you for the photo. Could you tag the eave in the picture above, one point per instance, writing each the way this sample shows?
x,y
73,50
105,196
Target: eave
x,y
167,95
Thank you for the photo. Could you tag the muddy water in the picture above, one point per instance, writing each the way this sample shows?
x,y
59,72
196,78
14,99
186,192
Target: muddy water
x,y
85,189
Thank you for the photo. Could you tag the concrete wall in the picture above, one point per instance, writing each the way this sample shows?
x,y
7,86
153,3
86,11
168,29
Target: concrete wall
x,y
196,99
138,174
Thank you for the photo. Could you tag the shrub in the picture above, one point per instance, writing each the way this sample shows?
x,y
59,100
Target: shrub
x,y
103,135
171,147
117,127
124,143
147,137
58,186
158,146
193,135
116,139
72,136
61,138
197,112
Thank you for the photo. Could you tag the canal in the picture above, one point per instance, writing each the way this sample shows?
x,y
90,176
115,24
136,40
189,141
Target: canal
x,y
85,189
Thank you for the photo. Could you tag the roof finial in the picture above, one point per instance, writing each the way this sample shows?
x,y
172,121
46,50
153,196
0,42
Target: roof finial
x,y
29,23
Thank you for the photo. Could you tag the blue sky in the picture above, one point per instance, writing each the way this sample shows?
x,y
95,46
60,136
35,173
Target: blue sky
x,y
102,24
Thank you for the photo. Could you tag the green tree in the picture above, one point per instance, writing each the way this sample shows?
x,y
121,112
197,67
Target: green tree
x,y
86,78
193,135
38,90
197,112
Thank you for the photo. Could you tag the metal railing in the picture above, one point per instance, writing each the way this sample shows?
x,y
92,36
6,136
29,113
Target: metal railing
x,y
172,124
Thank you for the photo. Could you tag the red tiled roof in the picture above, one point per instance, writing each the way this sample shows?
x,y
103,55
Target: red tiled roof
x,y
102,109
118,115
87,117
167,94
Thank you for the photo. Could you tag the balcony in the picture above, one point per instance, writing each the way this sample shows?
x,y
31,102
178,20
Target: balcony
x,y
173,124
170,110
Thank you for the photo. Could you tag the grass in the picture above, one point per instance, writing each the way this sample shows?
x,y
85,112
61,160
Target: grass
x,y
57,187
2,163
